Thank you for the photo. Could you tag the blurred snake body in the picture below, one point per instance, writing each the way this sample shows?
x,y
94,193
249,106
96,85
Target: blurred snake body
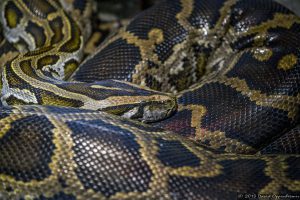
x,y
219,81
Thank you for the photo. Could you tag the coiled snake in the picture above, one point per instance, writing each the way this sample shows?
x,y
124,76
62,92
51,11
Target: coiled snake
x,y
224,103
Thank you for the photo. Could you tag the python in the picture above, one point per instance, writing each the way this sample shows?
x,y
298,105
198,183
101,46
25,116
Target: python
x,y
217,82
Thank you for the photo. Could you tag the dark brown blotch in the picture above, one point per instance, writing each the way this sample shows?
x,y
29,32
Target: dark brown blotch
x,y
47,60
73,44
37,32
56,26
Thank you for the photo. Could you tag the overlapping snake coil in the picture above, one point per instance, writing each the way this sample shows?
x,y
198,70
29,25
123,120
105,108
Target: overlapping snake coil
x,y
223,108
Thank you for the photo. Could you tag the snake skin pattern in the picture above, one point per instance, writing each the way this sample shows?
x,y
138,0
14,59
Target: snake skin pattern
x,y
288,143
223,105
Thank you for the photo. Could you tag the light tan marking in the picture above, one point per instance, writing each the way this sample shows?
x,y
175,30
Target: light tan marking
x,y
146,46
5,123
225,14
4,58
279,20
187,9
283,102
262,54
91,44
217,139
287,62
110,88
276,169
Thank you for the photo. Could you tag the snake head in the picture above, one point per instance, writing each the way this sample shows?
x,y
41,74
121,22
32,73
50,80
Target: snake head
x,y
153,109
148,109
138,103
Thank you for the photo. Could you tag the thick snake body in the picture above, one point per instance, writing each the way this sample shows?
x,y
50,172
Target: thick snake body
x,y
232,65
37,77
242,55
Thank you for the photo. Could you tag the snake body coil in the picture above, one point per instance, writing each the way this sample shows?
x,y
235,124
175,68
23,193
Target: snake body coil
x,y
233,67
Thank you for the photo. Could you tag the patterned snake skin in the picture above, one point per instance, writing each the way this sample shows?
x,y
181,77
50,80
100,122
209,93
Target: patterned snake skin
x,y
223,105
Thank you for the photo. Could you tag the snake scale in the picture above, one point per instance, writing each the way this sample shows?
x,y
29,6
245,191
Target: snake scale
x,y
223,108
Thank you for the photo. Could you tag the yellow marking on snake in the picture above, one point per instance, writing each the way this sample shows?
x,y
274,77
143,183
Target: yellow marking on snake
x,y
217,139
187,9
287,62
262,54
283,102
110,88
12,18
